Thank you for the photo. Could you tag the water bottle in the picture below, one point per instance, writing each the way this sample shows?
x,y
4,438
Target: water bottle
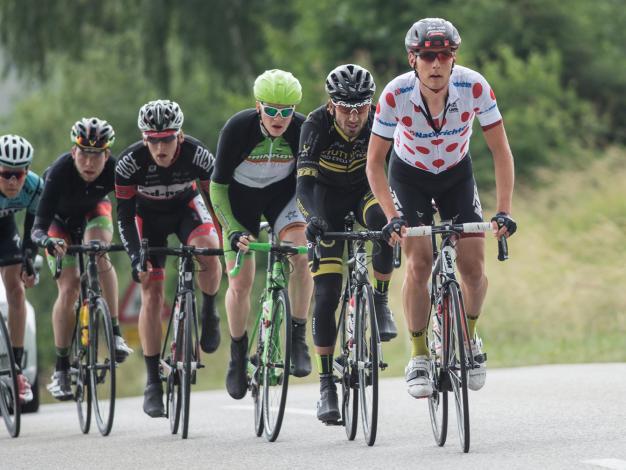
x,y
351,318
84,324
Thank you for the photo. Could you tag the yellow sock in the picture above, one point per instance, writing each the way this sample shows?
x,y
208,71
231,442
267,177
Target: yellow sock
x,y
471,325
419,347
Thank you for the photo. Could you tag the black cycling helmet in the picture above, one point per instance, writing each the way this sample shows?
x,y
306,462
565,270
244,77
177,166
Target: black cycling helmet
x,y
432,33
350,84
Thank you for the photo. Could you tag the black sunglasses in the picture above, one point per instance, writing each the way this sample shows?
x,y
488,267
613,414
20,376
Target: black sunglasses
x,y
17,174
430,56
165,140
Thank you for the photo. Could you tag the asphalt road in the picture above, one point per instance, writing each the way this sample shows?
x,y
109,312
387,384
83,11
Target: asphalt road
x,y
560,417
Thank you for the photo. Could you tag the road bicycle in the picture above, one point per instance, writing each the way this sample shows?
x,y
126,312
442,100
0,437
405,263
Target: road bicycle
x,y
180,356
92,353
269,346
360,357
451,352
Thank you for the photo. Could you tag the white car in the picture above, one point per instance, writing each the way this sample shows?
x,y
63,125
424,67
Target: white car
x,y
29,361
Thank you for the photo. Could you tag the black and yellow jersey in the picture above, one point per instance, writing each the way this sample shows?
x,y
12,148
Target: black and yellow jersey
x,y
329,158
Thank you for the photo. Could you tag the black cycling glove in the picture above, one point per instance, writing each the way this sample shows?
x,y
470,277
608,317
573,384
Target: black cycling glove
x,y
315,228
394,225
504,219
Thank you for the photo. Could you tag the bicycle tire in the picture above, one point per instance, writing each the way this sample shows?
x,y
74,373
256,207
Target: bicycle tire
x,y
256,380
9,392
102,366
367,341
79,369
173,389
438,401
277,357
349,379
185,372
458,370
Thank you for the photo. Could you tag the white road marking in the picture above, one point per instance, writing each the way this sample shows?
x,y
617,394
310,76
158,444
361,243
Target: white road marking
x,y
614,464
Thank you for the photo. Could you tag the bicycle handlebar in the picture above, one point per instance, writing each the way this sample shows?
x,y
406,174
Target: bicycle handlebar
x,y
365,235
94,246
469,227
182,251
265,247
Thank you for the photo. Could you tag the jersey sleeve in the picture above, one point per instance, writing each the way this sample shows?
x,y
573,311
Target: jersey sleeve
x,y
48,202
126,193
228,153
485,103
38,189
308,167
385,119
203,161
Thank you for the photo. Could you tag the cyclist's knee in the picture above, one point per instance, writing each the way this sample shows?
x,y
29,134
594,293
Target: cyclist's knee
x,y
418,270
473,275
301,264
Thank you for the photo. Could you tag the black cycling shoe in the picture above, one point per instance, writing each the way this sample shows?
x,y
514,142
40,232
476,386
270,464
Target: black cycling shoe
x,y
300,358
153,400
386,324
328,405
237,376
210,337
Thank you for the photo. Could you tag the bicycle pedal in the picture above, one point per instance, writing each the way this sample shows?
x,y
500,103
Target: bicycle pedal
x,y
334,423
383,365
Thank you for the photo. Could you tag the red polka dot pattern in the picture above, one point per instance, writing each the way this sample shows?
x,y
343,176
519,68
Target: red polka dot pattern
x,y
416,108
436,141
492,94
463,147
421,165
407,135
477,90
423,150
407,121
411,151
378,108
465,131
465,116
451,147
438,163
391,101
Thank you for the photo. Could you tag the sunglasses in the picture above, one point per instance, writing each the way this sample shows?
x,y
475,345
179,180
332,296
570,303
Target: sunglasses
x,y
345,108
272,112
8,174
166,140
430,56
96,145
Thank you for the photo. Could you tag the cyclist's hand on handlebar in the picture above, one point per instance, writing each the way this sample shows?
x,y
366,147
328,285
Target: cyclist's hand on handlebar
x,y
239,241
29,281
503,225
139,275
393,231
55,246
316,227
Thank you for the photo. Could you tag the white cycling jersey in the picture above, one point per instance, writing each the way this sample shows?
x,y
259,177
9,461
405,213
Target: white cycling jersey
x,y
400,115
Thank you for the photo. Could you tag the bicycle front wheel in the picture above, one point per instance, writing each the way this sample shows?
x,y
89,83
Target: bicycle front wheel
x,y
188,360
346,365
256,381
457,364
367,341
276,364
102,364
9,395
438,401
79,369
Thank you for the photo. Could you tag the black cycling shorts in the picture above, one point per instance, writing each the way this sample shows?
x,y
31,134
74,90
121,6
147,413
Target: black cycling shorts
x,y
454,191
10,242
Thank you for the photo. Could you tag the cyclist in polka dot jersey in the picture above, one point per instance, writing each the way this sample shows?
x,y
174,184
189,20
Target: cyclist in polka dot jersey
x,y
425,118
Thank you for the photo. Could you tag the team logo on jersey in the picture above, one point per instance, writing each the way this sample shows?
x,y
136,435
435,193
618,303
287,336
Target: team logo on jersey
x,y
396,202
152,168
453,108
478,210
292,215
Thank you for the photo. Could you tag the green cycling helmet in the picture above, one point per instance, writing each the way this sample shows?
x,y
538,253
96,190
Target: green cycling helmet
x,y
277,87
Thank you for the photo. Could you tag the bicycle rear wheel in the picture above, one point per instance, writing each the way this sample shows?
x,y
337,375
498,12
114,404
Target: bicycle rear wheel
x,y
79,368
438,401
186,366
102,364
276,364
9,395
367,341
457,365
345,364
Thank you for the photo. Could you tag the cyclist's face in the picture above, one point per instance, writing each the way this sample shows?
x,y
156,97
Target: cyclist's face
x,y
277,125
434,68
163,150
350,120
12,185
88,163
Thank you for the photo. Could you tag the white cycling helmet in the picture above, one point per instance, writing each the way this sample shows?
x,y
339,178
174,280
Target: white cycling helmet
x,y
160,115
15,151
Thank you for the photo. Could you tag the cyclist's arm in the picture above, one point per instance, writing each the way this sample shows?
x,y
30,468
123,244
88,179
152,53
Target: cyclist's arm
x,y
375,170
46,207
125,193
308,168
504,166
29,219
227,158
